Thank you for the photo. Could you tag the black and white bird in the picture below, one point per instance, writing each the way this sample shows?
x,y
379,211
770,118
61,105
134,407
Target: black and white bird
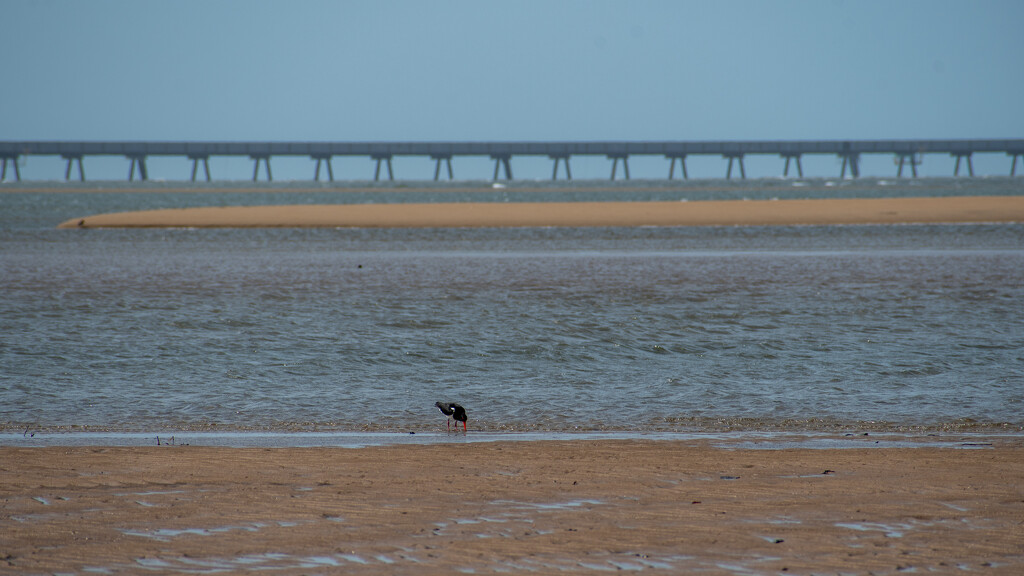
x,y
453,410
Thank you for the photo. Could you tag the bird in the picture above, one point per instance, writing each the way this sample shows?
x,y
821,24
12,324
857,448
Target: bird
x,y
453,410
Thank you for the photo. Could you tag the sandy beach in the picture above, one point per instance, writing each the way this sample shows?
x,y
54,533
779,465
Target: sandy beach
x,y
543,507
573,214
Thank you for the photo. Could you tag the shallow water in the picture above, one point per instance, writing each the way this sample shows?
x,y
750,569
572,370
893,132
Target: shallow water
x,y
747,439
645,329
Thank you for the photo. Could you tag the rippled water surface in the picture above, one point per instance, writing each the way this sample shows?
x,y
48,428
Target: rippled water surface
x,y
545,329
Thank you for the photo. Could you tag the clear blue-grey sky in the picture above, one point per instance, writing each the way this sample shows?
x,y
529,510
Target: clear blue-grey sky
x,y
511,70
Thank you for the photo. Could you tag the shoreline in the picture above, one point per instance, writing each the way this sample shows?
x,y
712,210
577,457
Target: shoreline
x,y
679,506
949,209
757,440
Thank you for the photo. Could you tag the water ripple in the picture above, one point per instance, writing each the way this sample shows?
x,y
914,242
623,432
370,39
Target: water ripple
x,y
531,329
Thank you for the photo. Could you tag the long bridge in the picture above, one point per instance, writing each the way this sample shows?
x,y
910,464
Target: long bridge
x,y
908,153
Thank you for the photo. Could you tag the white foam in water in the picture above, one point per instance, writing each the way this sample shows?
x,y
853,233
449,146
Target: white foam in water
x,y
896,531
167,534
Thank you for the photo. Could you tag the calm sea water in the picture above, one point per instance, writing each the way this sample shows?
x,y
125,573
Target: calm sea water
x,y
646,329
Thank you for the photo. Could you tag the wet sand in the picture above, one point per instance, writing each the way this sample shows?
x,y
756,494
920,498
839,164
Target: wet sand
x,y
571,214
579,506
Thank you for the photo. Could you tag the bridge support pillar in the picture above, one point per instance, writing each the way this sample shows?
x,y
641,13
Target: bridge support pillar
x,y
140,161
568,171
81,169
382,158
672,166
499,161
17,172
799,168
195,166
615,164
853,160
1013,163
970,165
437,167
913,164
256,167
728,171
330,171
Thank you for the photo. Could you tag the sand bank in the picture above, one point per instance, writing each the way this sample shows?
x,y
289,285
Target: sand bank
x,y
581,506
570,214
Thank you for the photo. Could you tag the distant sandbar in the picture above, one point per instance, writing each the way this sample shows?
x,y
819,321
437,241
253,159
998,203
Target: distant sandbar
x,y
954,209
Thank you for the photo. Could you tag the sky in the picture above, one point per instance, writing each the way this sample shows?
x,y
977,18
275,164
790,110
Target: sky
x,y
478,70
